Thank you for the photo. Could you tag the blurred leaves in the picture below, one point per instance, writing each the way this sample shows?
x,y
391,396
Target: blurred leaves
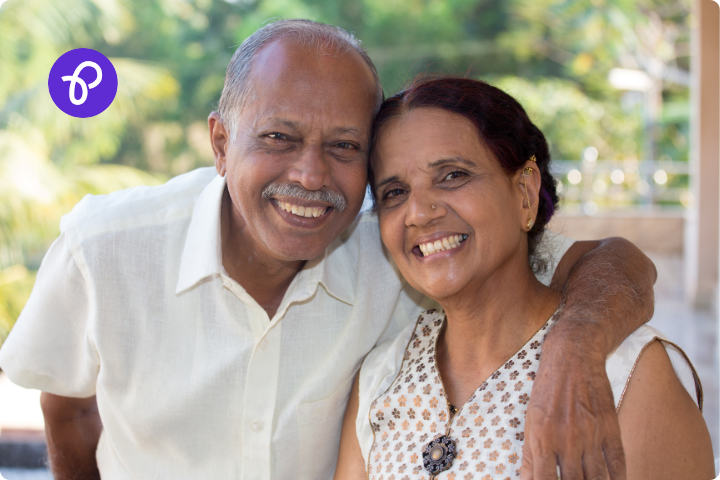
x,y
16,283
560,106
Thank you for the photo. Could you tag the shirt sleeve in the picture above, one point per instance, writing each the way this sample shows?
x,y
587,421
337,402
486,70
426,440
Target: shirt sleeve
x,y
49,347
551,249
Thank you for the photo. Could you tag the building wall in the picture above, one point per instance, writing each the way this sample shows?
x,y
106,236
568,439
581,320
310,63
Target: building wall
x,y
703,219
660,233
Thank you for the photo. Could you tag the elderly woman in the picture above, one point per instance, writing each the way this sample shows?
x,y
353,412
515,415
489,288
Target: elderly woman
x,y
463,193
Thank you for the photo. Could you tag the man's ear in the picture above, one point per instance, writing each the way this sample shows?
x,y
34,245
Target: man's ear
x,y
220,140
527,184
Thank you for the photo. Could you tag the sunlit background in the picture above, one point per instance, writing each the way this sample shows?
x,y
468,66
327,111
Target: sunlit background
x,y
615,85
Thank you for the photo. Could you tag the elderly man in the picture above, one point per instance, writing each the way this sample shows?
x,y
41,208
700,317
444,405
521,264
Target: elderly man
x,y
211,327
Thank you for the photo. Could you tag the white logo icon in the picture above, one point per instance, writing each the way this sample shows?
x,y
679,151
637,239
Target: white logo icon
x,y
74,78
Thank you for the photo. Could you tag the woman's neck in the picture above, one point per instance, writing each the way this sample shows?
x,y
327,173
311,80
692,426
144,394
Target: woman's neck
x,y
487,324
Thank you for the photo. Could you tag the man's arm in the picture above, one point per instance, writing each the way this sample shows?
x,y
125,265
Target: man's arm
x,y
571,420
72,427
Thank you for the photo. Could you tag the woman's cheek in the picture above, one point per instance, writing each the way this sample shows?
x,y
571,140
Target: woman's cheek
x,y
392,231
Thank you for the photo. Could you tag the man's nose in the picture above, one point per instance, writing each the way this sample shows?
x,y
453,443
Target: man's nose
x,y
423,209
311,170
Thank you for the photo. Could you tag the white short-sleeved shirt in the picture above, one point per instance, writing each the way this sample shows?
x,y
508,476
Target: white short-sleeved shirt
x,y
192,378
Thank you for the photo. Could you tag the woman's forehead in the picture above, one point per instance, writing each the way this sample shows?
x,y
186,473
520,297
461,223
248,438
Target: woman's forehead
x,y
424,138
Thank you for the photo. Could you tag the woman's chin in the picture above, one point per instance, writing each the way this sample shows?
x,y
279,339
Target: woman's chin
x,y
438,290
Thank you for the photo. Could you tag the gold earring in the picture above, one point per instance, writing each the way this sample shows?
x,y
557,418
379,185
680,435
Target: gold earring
x,y
432,206
527,173
533,159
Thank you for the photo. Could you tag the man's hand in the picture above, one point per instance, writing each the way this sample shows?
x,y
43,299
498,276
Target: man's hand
x,y
571,420
72,427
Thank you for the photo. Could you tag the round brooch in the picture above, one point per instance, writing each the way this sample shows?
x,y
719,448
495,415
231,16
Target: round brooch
x,y
439,454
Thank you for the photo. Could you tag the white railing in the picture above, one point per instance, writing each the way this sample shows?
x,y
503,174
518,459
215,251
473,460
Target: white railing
x,y
592,185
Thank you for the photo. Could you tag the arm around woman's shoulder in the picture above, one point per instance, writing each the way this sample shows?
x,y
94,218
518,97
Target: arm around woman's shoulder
x,y
663,432
351,464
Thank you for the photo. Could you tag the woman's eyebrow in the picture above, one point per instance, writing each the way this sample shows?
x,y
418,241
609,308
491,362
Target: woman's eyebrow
x,y
394,178
443,161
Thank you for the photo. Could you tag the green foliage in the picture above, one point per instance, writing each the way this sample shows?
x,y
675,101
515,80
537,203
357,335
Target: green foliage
x,y
571,120
15,286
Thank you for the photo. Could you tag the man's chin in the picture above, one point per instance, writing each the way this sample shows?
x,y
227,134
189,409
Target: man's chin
x,y
296,255
295,243
292,249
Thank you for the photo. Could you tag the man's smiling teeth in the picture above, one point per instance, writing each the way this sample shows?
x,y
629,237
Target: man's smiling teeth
x,y
301,211
441,245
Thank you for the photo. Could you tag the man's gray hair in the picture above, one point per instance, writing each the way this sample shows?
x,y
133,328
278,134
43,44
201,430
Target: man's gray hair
x,y
237,90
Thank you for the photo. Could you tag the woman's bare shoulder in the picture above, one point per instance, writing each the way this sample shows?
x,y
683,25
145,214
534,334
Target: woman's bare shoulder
x,y
663,432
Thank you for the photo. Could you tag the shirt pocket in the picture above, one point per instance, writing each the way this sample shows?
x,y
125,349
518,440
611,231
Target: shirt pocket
x,y
319,426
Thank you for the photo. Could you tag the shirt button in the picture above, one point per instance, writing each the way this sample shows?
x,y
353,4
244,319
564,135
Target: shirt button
x,y
256,426
263,345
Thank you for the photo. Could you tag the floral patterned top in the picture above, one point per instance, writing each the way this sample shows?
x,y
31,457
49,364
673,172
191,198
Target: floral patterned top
x,y
401,413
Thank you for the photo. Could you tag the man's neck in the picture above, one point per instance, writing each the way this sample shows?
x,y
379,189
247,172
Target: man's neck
x,y
266,279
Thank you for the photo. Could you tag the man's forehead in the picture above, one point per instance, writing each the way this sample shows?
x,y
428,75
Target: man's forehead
x,y
296,121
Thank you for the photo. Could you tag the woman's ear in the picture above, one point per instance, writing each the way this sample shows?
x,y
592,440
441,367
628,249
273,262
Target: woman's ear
x,y
528,182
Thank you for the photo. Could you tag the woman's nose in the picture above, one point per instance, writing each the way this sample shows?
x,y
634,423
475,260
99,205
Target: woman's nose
x,y
423,209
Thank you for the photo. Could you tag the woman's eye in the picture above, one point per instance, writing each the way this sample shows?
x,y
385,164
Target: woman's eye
x,y
345,145
455,175
393,193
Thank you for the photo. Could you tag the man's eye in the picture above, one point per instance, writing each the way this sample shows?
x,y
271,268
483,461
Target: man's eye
x,y
345,145
278,136
455,175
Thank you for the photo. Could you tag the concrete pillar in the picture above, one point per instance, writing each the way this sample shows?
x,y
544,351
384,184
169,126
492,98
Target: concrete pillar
x,y
703,219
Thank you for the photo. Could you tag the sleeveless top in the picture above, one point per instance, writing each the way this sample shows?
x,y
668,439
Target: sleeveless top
x,y
404,420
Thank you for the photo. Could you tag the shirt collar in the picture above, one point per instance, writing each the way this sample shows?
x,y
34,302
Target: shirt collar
x,y
335,272
201,255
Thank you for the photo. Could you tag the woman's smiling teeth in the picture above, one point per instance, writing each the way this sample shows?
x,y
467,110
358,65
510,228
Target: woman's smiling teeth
x,y
301,211
441,245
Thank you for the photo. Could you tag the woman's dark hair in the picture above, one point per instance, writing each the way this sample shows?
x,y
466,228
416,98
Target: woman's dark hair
x,y
501,124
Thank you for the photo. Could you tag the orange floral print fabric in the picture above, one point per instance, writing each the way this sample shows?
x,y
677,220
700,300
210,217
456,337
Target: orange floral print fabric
x,y
488,429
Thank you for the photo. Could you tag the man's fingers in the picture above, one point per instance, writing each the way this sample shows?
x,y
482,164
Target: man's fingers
x,y
594,466
571,468
545,467
526,470
615,456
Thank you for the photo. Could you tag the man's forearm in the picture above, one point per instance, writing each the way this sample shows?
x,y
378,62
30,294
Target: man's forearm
x,y
607,294
73,428
571,419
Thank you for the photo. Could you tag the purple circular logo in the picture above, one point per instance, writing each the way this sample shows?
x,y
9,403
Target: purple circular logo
x,y
83,82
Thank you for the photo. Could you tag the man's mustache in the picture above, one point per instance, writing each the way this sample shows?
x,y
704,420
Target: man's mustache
x,y
335,199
